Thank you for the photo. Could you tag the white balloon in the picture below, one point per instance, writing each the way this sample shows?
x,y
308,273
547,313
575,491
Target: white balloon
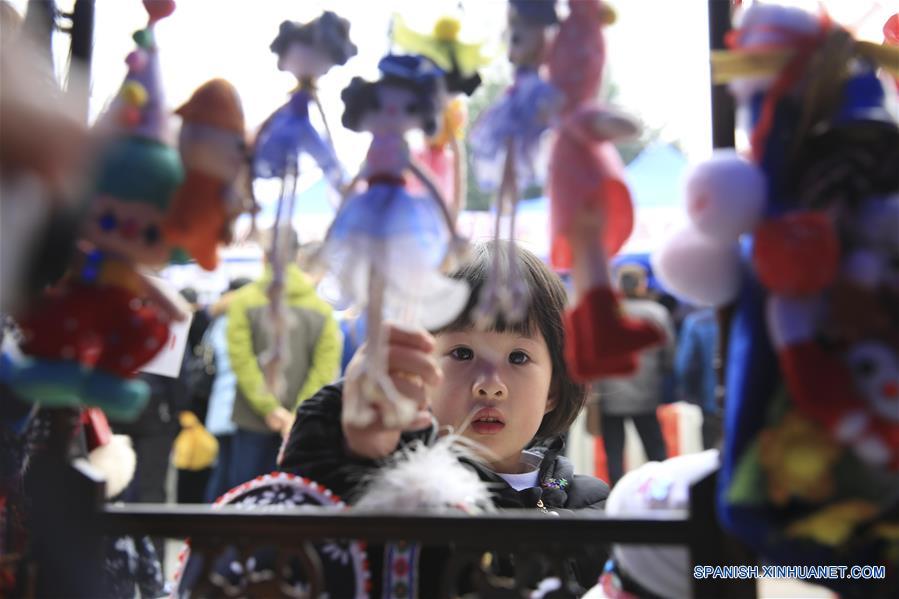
x,y
725,196
698,269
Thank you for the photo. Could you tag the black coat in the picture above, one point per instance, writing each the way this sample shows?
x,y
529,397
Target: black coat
x,y
316,450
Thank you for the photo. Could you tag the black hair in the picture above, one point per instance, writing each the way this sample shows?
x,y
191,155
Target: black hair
x,y
329,33
361,96
547,305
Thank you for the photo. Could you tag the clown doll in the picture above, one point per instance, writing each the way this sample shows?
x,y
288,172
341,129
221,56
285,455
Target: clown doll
x,y
386,246
506,142
799,238
86,337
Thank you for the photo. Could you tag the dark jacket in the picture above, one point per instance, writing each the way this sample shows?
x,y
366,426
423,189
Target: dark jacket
x,y
316,450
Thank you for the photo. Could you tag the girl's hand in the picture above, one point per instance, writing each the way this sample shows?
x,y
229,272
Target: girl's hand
x,y
412,369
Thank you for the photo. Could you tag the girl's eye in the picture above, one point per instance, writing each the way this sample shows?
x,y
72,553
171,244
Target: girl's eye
x,y
411,108
462,353
519,358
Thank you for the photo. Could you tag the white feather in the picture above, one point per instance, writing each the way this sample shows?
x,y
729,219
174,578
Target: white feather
x,y
428,477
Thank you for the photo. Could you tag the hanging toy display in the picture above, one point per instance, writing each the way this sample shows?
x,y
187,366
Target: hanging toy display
x,y
591,211
307,51
386,247
507,144
443,154
212,147
801,241
86,337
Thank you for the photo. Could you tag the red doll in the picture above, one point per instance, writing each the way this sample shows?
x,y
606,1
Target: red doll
x,y
591,214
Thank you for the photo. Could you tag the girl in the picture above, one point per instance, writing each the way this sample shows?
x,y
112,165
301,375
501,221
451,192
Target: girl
x,y
506,388
386,246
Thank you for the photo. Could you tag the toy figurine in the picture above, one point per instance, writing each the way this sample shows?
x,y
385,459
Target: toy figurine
x,y
85,338
307,51
212,147
799,240
443,155
386,246
591,210
507,145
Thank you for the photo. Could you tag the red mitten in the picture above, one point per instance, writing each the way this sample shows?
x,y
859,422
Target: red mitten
x,y
797,254
601,341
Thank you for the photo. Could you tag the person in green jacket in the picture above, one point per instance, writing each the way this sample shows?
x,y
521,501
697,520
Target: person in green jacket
x,y
312,360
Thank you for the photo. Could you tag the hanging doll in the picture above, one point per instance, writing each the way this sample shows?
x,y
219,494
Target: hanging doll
x,y
808,223
443,155
307,51
211,143
591,210
86,337
506,143
386,246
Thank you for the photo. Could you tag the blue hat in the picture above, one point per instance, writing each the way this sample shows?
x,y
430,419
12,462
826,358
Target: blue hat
x,y
539,12
411,67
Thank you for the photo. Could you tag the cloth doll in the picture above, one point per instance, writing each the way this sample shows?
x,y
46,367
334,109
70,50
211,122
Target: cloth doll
x,y
507,148
591,212
86,337
812,421
386,246
211,143
443,155
307,51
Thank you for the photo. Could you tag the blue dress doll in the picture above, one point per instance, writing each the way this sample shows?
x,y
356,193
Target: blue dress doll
x,y
307,51
386,247
507,152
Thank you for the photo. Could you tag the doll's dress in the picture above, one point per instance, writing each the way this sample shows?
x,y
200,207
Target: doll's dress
x,y
403,236
86,338
522,115
289,132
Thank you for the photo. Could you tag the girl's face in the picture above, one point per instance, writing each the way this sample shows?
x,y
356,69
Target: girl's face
x,y
526,41
395,111
304,61
500,383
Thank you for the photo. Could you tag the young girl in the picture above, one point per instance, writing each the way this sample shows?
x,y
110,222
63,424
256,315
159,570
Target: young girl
x,y
505,388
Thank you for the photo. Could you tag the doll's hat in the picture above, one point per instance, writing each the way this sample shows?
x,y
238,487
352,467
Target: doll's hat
x,y
216,104
137,165
539,12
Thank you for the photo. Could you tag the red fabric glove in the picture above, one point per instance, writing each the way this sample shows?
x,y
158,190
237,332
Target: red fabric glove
x,y
601,341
